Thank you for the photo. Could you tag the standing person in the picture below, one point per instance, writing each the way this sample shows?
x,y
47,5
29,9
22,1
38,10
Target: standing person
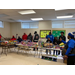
x,y
1,36
62,36
24,37
29,37
13,38
35,38
70,53
19,39
48,41
50,36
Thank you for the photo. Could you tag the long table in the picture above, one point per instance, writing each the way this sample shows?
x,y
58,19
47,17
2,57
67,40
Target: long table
x,y
41,49
6,47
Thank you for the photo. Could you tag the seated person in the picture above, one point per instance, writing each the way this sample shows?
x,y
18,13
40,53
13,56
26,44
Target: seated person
x,y
61,41
48,41
13,38
19,39
55,42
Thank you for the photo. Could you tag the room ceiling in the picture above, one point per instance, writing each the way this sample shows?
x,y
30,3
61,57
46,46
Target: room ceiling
x,y
12,15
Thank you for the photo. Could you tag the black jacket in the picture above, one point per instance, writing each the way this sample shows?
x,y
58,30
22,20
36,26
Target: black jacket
x,y
57,41
19,39
36,38
49,41
63,38
29,37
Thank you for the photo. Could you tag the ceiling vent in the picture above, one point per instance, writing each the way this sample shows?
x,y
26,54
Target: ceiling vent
x,y
70,13
12,20
3,15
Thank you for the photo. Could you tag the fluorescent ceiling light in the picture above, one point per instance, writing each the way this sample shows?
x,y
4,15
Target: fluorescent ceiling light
x,y
27,12
36,19
59,9
70,16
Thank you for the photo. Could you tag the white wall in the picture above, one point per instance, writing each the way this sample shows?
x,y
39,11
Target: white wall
x,y
6,30
43,25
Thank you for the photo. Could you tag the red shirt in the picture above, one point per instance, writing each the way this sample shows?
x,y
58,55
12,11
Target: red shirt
x,y
13,39
0,36
24,37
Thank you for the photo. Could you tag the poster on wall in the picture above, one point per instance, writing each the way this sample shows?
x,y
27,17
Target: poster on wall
x,y
57,33
44,33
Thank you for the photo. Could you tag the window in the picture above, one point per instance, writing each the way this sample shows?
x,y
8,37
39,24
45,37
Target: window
x,y
57,24
1,24
25,25
69,24
34,25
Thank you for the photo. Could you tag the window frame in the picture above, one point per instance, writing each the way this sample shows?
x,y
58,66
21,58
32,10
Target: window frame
x,y
29,25
2,24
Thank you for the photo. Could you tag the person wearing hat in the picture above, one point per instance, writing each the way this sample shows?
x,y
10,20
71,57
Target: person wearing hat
x,y
62,36
70,52
35,38
19,39
13,38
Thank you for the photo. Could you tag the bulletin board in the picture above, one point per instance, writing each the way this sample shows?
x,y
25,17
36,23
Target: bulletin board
x,y
44,33
57,33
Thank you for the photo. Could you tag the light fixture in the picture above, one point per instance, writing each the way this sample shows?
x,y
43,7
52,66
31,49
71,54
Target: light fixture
x,y
27,12
70,16
59,9
36,19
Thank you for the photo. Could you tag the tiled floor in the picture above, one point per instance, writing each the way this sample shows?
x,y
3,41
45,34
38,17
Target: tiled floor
x,y
24,59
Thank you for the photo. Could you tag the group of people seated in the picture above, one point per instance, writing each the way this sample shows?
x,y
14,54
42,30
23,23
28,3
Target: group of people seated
x,y
56,41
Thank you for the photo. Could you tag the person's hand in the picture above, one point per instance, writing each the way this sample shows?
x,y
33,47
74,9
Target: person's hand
x,y
55,43
60,39
65,56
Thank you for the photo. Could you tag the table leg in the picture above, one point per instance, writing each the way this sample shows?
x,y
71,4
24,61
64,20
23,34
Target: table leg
x,y
39,52
2,50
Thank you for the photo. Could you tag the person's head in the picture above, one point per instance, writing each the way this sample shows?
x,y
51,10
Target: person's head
x,y
55,38
62,33
60,39
70,36
24,33
48,38
35,32
49,33
13,37
29,33
18,37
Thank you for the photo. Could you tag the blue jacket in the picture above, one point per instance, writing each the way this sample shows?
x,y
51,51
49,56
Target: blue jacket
x,y
63,41
71,45
51,37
